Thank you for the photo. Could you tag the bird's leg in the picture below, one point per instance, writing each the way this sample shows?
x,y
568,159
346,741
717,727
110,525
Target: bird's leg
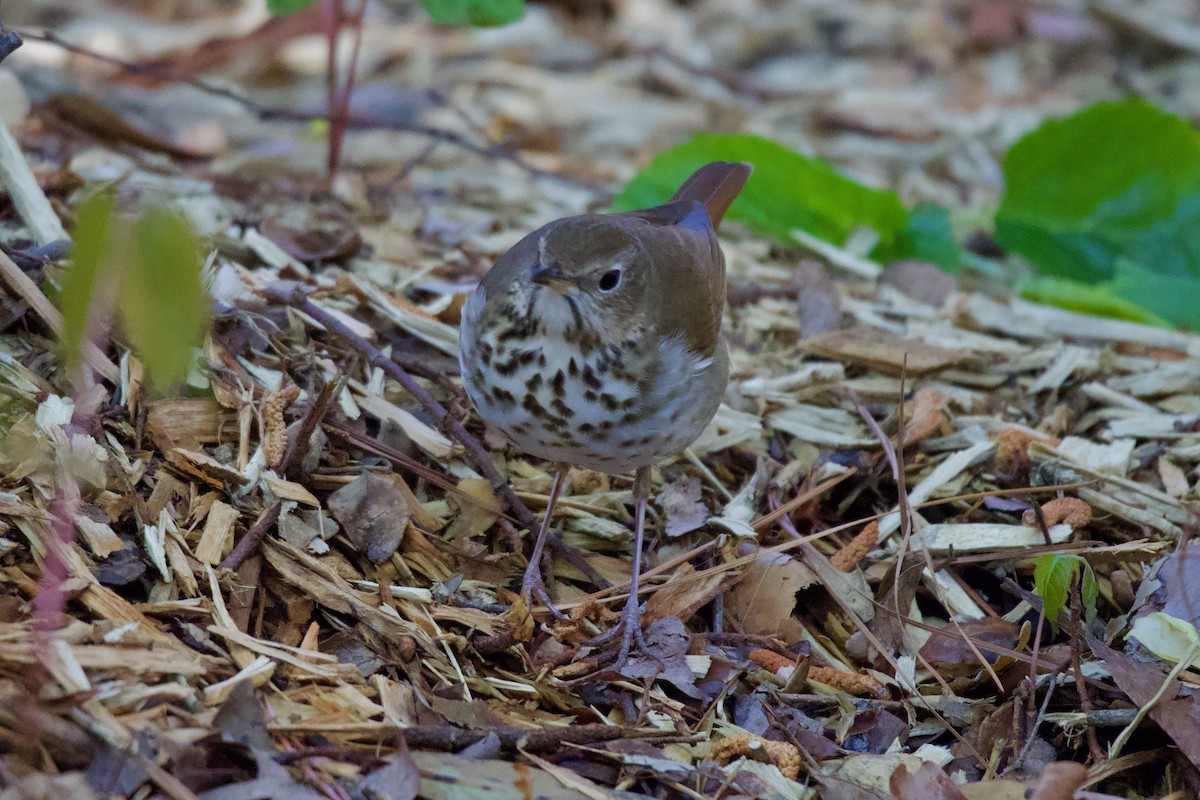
x,y
533,585
630,624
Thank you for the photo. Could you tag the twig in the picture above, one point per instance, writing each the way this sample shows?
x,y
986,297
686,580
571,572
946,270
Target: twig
x,y
316,412
542,740
294,294
252,537
1037,721
24,288
1085,697
26,195
1168,683
906,513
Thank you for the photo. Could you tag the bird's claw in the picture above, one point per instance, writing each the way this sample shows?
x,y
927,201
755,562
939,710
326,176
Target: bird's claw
x,y
629,626
533,587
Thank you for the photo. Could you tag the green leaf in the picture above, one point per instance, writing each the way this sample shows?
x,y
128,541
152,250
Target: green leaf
x,y
1055,574
787,191
1118,181
1172,297
1099,300
90,247
163,301
1052,574
1089,591
484,13
282,8
929,236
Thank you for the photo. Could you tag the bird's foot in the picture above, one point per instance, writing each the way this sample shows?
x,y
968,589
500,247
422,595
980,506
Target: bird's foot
x,y
532,586
629,628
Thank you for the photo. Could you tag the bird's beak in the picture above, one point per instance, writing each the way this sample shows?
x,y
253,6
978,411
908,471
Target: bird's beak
x,y
551,276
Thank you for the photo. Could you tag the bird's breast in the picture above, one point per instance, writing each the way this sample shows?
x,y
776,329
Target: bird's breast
x,y
609,405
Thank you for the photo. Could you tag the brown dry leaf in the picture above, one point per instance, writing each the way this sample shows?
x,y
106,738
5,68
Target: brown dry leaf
x,y
929,782
819,304
686,592
271,780
1060,780
474,716
397,779
311,235
681,503
85,113
950,655
763,600
921,281
667,643
1175,712
477,512
373,514
884,351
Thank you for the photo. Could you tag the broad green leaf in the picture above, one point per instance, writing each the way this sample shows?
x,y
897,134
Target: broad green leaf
x,y
90,246
163,301
929,236
1119,181
485,13
1172,297
283,7
787,191
1099,300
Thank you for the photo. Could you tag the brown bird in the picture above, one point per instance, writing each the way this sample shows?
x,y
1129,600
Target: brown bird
x,y
596,342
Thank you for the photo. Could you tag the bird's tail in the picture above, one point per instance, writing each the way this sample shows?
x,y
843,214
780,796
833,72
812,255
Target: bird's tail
x,y
715,185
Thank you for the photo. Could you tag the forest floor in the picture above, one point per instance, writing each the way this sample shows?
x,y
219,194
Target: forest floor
x,y
294,578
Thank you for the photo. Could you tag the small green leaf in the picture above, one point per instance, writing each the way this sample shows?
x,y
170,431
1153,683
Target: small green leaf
x,y
282,8
163,301
1089,591
484,13
1117,183
1055,574
90,248
787,191
1052,575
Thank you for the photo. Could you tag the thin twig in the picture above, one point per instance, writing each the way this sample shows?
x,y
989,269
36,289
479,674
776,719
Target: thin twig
x,y
295,295
252,537
298,448
1085,697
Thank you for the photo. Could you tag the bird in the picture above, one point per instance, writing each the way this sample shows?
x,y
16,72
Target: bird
x,y
596,342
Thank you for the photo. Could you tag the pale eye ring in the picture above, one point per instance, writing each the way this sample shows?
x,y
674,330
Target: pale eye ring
x,y
610,280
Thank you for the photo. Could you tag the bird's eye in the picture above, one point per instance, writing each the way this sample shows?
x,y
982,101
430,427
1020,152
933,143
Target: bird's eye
x,y
610,280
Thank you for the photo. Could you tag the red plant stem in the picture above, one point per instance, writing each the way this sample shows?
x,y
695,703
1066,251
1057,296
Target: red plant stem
x,y
338,97
330,17
50,601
